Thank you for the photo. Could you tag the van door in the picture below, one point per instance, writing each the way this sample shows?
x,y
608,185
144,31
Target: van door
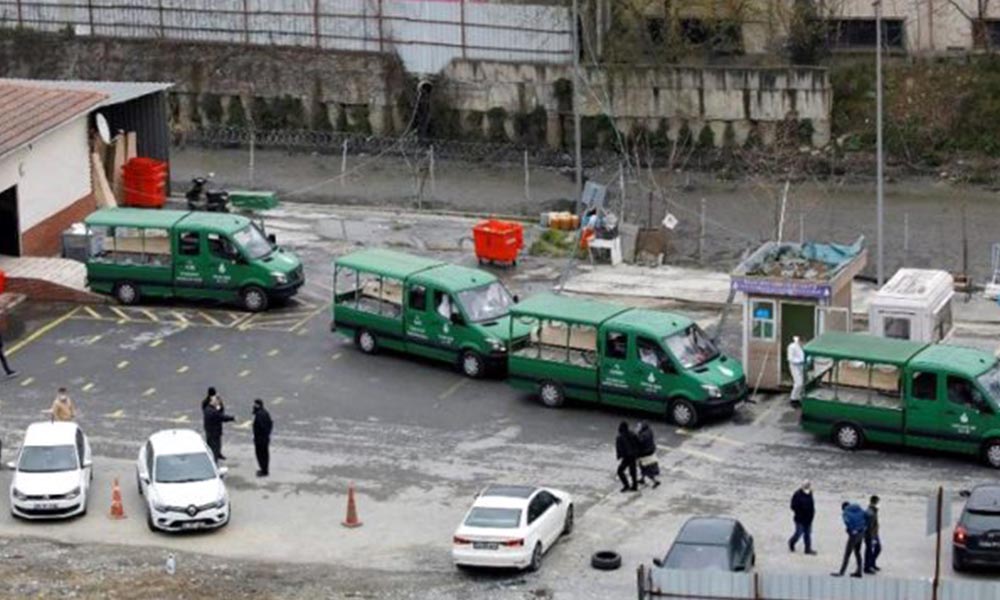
x,y
443,334
189,281
418,338
614,376
226,266
652,375
942,413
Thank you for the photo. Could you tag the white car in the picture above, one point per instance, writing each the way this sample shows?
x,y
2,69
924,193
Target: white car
x,y
52,473
512,526
181,483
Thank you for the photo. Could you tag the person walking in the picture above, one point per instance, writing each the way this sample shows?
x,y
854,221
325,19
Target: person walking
x,y
627,451
803,510
648,465
262,426
63,408
215,416
796,364
873,544
8,371
855,523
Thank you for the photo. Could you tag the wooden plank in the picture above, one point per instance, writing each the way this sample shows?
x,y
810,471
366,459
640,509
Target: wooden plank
x,y
118,162
131,149
102,190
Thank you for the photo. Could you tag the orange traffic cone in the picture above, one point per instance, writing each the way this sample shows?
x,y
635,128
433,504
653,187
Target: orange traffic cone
x,y
352,519
117,510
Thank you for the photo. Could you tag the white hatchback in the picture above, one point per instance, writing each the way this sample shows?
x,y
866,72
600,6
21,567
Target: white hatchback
x,y
181,483
53,472
512,526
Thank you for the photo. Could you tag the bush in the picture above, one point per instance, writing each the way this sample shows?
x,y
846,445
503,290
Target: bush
x,y
495,128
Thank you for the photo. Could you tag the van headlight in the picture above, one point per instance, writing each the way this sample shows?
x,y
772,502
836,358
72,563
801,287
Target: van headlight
x,y
496,344
18,494
712,390
280,278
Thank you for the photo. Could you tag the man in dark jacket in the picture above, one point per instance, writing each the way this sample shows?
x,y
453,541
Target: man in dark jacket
x,y
873,544
262,426
803,511
3,360
214,417
627,451
855,523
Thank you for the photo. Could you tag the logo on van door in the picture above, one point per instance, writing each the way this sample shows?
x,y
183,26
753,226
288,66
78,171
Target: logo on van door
x,y
222,277
963,426
650,386
615,377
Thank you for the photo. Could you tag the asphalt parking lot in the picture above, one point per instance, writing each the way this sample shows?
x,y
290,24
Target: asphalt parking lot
x,y
418,441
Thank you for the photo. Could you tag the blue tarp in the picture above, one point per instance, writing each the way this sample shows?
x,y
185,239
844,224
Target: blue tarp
x,y
832,254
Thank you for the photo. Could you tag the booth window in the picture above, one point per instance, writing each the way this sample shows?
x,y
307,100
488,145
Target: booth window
x,y
942,322
896,328
762,320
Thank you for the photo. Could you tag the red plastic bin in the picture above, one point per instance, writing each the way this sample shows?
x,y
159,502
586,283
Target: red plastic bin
x,y
145,183
498,241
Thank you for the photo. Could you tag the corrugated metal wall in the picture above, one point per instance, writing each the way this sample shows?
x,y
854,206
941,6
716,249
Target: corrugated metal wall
x,y
426,34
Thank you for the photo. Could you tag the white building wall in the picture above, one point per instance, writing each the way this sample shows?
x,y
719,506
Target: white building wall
x,y
50,174
931,25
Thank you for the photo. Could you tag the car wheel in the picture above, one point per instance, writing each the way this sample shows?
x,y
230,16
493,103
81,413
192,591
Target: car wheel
x,y
991,452
138,484
683,414
551,394
229,516
568,523
847,436
472,364
149,521
957,563
254,299
127,293
536,558
606,560
367,342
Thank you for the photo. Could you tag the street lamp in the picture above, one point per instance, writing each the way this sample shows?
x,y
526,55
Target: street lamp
x,y
879,195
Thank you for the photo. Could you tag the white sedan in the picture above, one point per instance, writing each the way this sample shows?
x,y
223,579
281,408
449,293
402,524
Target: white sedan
x,y
52,473
181,483
512,526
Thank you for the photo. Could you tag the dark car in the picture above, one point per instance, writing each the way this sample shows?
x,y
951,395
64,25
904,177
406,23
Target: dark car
x,y
718,543
976,540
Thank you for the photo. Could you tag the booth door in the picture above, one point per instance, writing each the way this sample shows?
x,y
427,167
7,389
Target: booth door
x,y
832,318
796,319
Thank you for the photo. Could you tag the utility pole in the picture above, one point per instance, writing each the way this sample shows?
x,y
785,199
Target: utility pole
x,y
879,193
578,150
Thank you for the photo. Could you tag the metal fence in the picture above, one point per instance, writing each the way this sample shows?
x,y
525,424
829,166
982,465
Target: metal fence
x,y
426,34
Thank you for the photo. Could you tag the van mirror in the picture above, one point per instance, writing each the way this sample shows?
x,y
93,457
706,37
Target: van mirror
x,y
223,471
516,298
272,239
457,319
658,562
666,366
12,466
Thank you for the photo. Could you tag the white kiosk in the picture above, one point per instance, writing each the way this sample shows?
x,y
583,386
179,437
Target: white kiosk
x,y
914,305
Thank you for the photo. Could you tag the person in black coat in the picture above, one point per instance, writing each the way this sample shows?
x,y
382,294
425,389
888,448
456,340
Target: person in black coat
x,y
804,511
215,416
262,426
627,452
3,360
648,465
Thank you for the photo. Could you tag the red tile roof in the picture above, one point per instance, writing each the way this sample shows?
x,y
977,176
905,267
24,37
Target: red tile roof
x,y
27,112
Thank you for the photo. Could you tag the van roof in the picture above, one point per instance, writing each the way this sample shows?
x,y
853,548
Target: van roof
x,y
55,433
165,219
454,278
570,309
653,322
957,359
864,347
390,263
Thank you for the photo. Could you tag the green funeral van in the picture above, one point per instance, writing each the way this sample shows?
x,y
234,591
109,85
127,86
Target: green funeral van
x,y
388,299
606,353
865,389
139,253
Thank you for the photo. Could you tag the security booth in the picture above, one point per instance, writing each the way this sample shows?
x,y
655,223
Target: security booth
x,y
791,289
914,305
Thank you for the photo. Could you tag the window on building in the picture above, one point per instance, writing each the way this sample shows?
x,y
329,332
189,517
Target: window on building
x,y
986,33
849,34
720,36
896,328
762,323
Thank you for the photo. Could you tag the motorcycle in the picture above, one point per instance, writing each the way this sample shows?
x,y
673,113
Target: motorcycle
x,y
201,198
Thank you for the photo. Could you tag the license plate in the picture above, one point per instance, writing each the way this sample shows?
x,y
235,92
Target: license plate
x,y
190,525
485,545
989,544
45,505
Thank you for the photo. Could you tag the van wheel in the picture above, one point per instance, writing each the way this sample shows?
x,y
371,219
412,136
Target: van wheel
x,y
683,414
847,436
254,299
472,364
551,394
127,293
991,452
366,341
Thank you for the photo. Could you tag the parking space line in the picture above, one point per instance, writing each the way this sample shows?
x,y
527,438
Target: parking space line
x,y
709,436
150,315
121,315
336,356
273,352
183,369
181,419
116,415
309,317
451,390
767,411
155,343
61,360
308,378
27,382
93,313
210,318
94,339
183,320
149,392
41,331
215,348
245,424
123,364
700,454
279,400
244,372
87,387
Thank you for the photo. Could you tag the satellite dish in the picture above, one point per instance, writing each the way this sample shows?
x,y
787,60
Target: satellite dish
x,y
102,128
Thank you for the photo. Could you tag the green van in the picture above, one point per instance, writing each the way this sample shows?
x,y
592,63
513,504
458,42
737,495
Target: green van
x,y
388,299
599,352
136,253
870,389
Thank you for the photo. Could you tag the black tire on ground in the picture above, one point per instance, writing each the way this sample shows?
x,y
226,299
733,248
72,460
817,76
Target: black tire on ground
x,y
957,564
568,523
683,414
149,522
127,293
551,394
536,558
848,436
991,453
472,364
367,341
138,485
254,299
606,560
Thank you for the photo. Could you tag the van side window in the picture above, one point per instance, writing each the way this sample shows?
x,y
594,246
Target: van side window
x,y
924,386
189,243
962,392
219,246
650,352
616,345
418,297
443,305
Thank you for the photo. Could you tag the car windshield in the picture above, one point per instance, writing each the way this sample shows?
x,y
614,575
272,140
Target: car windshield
x,y
691,556
183,468
494,518
691,347
486,303
47,459
982,521
990,382
253,242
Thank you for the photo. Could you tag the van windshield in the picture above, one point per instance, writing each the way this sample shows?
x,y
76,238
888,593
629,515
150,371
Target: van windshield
x,y
691,347
990,383
253,242
486,303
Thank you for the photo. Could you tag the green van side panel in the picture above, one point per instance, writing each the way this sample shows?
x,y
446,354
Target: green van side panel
x,y
878,424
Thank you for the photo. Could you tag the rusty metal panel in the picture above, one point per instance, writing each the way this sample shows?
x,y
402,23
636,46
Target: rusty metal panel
x,y
702,584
